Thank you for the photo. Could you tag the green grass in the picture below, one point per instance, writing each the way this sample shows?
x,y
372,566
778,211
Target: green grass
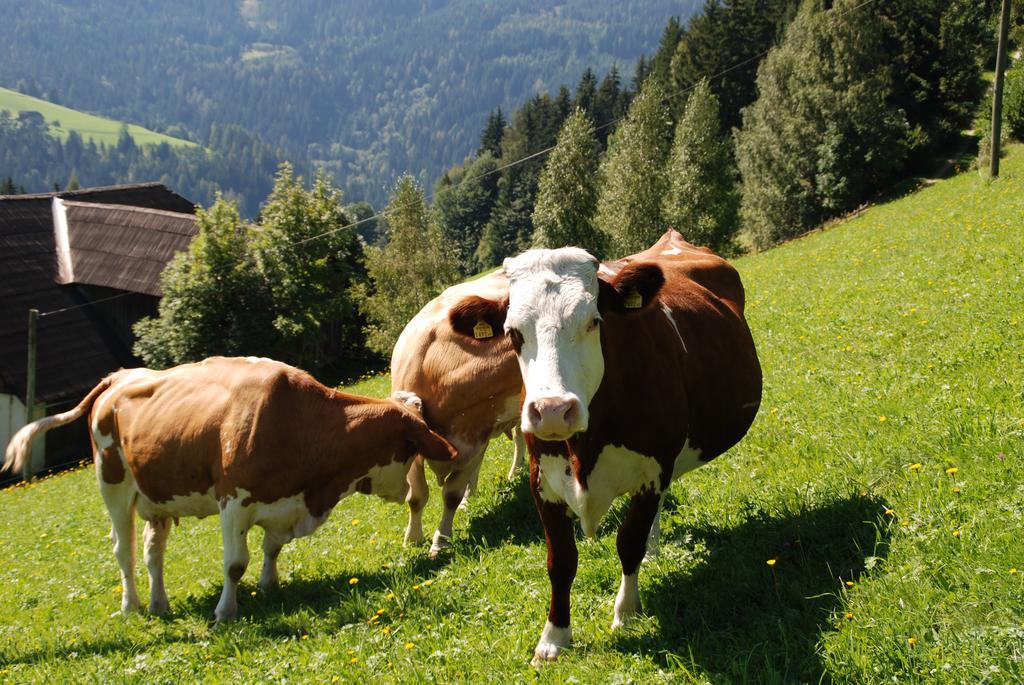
x,y
89,126
888,341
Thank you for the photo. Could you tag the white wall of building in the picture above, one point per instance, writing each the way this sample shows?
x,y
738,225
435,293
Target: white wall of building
x,y
12,417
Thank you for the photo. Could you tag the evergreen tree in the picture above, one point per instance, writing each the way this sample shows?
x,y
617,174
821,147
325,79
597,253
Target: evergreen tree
x,y
633,174
586,92
8,187
73,183
462,204
567,196
660,65
310,257
405,274
822,133
702,201
493,133
607,105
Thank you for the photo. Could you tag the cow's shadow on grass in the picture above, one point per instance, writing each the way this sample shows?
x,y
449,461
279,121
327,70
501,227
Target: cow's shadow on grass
x,y
508,516
738,616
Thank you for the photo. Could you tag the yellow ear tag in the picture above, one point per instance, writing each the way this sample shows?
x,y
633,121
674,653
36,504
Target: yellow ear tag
x,y
632,300
482,330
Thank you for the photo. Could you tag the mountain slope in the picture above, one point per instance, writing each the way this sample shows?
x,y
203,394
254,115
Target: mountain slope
x,y
368,89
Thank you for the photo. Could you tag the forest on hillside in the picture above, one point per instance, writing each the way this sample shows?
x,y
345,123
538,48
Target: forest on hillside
x,y
365,90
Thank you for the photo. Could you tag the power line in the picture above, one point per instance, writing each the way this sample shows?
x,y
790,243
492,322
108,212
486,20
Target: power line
x,y
533,155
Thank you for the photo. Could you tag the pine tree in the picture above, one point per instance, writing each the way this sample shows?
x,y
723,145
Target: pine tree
x,y
405,274
633,174
607,105
567,197
586,92
463,202
822,133
702,201
493,133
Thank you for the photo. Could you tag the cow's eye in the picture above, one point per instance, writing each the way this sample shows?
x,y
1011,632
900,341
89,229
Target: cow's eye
x,y
594,323
516,337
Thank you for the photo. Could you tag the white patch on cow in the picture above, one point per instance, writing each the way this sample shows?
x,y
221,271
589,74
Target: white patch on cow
x,y
671,251
553,305
388,482
668,315
687,460
198,504
259,360
552,641
288,515
627,602
617,471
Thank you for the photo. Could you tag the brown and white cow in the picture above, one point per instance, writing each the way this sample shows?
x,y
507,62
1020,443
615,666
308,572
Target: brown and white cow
x,y
257,441
464,369
633,375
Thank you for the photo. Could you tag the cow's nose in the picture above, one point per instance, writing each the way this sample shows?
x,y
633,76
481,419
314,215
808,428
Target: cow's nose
x,y
554,418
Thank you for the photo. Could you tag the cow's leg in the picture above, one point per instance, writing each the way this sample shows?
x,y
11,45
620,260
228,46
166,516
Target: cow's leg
x,y
515,434
654,539
273,541
234,528
471,486
562,560
631,544
155,537
452,492
120,501
417,500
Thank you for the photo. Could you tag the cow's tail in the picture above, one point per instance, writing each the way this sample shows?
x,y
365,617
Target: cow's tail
x,y
20,446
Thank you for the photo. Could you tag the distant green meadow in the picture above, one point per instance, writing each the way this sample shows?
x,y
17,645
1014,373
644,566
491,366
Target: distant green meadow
x,y
89,126
867,530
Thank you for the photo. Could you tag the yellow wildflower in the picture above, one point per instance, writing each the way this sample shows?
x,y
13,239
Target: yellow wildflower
x,y
353,581
912,641
771,562
915,467
952,469
849,616
850,583
409,645
956,533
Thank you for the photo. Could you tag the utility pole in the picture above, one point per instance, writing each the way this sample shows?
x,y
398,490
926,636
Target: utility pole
x,y
997,96
30,386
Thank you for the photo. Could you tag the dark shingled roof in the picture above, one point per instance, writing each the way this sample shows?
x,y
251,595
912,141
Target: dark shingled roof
x,y
116,246
75,346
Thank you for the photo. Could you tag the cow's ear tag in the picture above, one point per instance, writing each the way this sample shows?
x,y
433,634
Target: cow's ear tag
x,y
633,299
482,330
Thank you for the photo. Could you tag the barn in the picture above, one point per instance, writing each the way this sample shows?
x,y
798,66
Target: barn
x,y
90,261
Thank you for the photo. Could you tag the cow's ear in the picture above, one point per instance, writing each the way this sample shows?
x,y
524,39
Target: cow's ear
x,y
479,318
428,443
633,289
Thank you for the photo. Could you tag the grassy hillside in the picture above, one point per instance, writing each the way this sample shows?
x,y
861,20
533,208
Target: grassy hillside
x,y
89,126
882,481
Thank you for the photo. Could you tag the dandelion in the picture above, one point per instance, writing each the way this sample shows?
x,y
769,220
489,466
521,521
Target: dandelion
x,y
911,641
415,587
882,419
353,581
252,594
355,522
1013,571
305,637
409,645
335,679
850,583
956,490
915,467
849,616
890,512
380,611
956,533
387,630
952,470
390,595
863,493
428,583
771,562
354,660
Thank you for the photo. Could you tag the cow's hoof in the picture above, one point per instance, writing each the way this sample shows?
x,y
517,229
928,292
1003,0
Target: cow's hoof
x,y
545,652
438,545
413,537
159,608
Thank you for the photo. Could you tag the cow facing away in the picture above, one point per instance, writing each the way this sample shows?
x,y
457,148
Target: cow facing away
x,y
255,441
632,376
465,371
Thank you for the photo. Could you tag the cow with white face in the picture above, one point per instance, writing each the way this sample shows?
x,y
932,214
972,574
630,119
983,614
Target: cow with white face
x,y
634,373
